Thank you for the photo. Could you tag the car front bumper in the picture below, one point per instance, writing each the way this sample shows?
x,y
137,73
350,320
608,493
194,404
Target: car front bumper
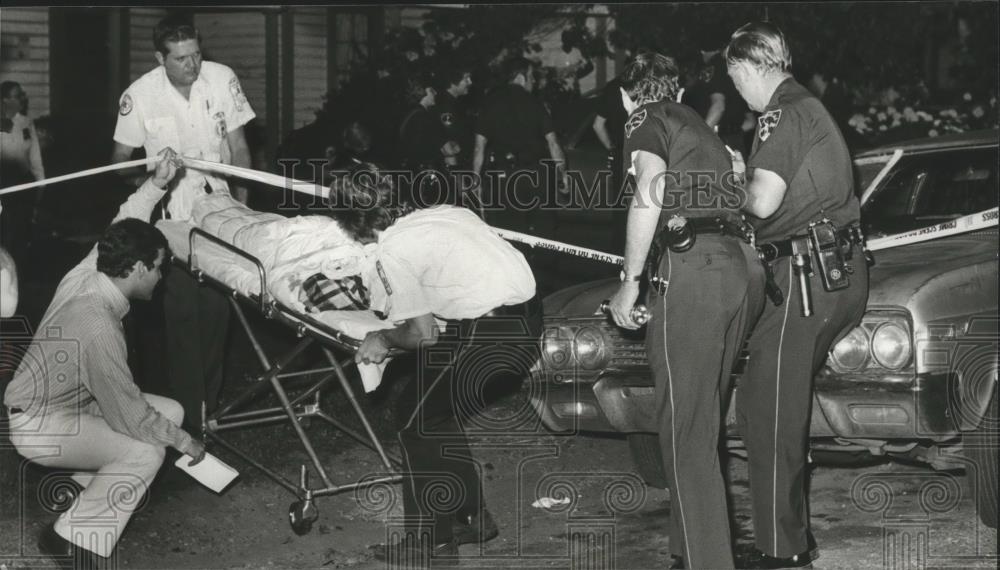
x,y
846,407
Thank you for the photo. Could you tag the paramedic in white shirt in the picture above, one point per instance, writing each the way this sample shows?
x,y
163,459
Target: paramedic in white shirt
x,y
199,109
458,296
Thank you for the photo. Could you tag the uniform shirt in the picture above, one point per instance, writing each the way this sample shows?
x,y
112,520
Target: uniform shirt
x,y
515,122
798,140
696,183
715,79
421,137
610,107
78,361
446,262
455,123
19,147
154,115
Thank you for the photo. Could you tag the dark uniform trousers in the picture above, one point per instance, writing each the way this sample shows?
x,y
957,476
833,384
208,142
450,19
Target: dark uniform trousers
x,y
473,361
712,298
197,320
774,399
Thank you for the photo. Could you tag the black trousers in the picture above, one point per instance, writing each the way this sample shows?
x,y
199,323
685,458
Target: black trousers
x,y
774,399
473,362
197,321
713,296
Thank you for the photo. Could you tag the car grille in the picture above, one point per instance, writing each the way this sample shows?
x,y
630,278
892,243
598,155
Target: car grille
x,y
627,352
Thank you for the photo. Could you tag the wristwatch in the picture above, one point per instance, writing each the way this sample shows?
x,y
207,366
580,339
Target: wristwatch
x,y
631,278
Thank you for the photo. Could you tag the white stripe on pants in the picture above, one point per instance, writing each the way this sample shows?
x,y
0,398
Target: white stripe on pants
x,y
123,468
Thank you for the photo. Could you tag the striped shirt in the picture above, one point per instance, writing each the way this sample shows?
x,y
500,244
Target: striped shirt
x,y
78,361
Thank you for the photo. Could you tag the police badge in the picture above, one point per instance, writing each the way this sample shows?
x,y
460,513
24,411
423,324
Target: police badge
x,y
767,122
447,119
633,123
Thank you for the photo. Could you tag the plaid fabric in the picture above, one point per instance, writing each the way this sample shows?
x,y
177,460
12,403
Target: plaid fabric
x,y
347,294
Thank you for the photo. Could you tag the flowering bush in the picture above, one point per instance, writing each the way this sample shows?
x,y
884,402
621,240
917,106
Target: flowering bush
x,y
893,122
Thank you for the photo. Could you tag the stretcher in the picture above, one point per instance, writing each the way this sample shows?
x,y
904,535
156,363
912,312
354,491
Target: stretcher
x,y
244,279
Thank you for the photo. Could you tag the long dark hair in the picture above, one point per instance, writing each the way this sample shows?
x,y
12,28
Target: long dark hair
x,y
363,200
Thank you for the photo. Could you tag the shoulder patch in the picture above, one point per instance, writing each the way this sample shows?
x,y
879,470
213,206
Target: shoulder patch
x,y
385,280
634,122
125,107
239,99
767,122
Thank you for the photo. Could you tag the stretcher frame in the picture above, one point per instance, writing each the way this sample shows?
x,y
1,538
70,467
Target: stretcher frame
x,y
305,405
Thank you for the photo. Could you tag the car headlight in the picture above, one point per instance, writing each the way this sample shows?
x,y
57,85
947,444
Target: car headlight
x,y
891,346
589,347
557,348
851,353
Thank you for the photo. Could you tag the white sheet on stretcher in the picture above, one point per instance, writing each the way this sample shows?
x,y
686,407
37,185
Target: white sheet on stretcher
x,y
290,249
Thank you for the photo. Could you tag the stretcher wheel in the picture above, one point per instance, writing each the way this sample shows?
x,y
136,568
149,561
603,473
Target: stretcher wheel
x,y
301,515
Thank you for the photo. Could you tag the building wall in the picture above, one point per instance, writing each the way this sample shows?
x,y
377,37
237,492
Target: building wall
x,y
310,63
24,54
141,24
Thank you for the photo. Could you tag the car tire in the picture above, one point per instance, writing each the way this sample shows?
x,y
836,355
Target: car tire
x,y
648,458
983,452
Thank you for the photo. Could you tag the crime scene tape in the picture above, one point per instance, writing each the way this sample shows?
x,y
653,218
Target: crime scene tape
x,y
969,223
80,174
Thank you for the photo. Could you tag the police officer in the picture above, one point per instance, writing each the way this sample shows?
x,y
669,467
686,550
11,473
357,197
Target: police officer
x,y
706,292
609,126
715,98
800,190
452,113
514,133
425,150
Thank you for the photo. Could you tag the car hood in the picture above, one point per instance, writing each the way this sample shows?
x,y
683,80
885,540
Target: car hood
x,y
902,274
579,300
963,265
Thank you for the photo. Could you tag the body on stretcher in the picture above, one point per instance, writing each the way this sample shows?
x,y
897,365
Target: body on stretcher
x,y
262,259
242,249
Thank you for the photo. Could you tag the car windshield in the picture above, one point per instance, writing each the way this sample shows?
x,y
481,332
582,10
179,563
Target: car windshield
x,y
929,188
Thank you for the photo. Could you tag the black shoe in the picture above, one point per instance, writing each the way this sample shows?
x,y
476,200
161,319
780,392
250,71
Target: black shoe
x,y
676,562
758,559
474,528
412,553
66,554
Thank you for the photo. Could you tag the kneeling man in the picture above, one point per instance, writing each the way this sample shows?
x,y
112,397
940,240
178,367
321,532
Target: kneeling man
x,y
73,403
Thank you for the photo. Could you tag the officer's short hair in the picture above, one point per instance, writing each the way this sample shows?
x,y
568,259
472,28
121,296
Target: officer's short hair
x,y
517,66
363,200
762,45
126,242
7,87
651,77
173,29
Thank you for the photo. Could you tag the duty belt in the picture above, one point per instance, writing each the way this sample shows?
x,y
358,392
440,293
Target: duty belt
x,y
722,226
682,239
824,249
773,250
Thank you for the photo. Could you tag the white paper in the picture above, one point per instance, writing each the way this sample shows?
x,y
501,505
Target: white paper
x,y
211,472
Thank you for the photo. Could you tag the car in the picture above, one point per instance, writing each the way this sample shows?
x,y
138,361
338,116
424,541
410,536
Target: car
x,y
917,379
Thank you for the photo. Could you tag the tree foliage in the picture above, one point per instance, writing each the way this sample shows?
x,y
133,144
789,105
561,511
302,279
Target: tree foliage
x,y
874,45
